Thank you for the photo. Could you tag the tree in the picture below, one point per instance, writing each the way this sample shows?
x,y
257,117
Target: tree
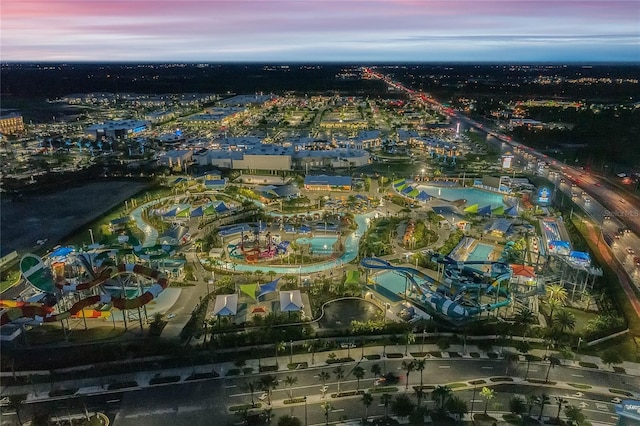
x,y
456,406
525,317
268,383
267,415
409,338
528,358
15,402
326,407
419,394
402,406
358,373
376,370
385,399
324,376
517,405
541,401
288,420
339,372
367,400
408,366
440,395
251,386
289,381
561,402
575,414
420,365
553,362
611,357
488,395
279,346
564,320
557,294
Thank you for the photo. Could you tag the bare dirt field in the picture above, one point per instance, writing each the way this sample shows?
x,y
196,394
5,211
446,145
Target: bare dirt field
x,y
54,215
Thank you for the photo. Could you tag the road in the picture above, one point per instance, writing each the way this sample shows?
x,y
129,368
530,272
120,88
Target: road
x,y
195,403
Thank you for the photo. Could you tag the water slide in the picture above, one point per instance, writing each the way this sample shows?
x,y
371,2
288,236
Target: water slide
x,y
447,306
44,313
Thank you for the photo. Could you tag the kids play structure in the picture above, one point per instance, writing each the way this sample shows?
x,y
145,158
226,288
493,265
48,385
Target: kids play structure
x,y
462,295
69,286
258,248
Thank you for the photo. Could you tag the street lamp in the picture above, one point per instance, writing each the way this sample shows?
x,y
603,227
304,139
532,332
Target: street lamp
x,y
305,412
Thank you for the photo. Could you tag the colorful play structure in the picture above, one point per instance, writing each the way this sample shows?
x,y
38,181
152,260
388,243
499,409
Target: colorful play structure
x,y
256,249
458,298
93,288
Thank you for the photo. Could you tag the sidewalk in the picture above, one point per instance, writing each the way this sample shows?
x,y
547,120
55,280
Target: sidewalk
x,y
133,381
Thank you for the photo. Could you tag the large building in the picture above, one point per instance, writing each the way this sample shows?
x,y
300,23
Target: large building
x,y
327,183
121,129
11,124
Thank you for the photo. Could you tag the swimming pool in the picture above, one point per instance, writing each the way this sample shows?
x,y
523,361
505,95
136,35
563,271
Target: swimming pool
x,y
392,284
472,195
319,245
480,252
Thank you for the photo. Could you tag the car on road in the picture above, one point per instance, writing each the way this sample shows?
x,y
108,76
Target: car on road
x,y
597,184
636,260
171,316
630,250
622,200
616,400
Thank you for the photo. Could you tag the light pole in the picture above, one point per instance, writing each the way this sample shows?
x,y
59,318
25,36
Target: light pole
x,y
291,352
305,412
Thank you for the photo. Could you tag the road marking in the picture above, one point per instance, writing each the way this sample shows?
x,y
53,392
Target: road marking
x,y
445,366
231,386
337,410
488,367
380,405
577,375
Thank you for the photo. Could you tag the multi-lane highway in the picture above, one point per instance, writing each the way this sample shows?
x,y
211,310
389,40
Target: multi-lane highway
x,y
197,403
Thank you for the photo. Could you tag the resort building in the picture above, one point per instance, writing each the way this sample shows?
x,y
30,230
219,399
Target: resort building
x,y
327,183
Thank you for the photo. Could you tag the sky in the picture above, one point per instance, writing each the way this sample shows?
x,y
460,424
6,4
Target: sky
x,y
319,30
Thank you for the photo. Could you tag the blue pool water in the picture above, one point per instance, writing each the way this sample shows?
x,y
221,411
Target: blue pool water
x,y
392,285
319,245
480,252
472,195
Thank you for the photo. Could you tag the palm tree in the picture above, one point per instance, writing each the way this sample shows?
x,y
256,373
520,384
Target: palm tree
x,y
419,394
530,402
279,346
367,400
420,365
440,395
517,405
268,383
267,415
386,400
358,373
408,366
529,358
525,317
15,402
326,407
561,402
557,294
289,381
541,401
457,406
409,338
251,387
324,376
564,320
376,370
488,395
339,372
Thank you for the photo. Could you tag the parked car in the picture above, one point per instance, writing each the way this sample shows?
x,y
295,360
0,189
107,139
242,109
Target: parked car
x,y
630,250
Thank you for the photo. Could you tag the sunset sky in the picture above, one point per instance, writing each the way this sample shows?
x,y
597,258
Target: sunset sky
x,y
319,30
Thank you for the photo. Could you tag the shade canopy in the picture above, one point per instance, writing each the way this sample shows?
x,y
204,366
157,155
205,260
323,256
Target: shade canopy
x,y
250,290
353,277
473,209
226,304
268,287
290,301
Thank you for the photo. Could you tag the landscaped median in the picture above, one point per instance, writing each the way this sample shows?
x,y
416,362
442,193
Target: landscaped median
x,y
244,407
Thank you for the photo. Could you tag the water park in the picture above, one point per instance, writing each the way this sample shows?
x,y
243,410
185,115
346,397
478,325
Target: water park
x,y
74,285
